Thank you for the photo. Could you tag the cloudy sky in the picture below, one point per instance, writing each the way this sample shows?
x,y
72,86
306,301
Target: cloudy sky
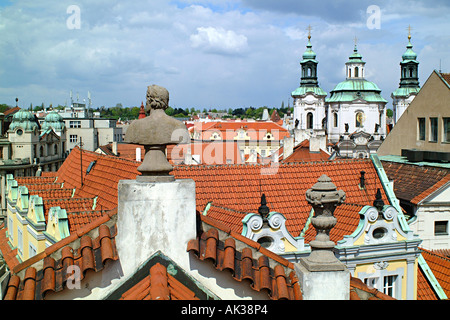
x,y
207,53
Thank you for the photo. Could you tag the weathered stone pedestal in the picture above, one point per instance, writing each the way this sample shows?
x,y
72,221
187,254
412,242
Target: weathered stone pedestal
x,y
323,285
154,216
322,276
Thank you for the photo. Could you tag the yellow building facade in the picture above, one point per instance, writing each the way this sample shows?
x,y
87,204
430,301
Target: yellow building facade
x,y
28,231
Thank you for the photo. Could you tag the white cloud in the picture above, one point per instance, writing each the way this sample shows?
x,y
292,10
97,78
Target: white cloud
x,y
219,40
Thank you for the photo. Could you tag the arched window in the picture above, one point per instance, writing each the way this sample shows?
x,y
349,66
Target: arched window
x,y
41,151
309,120
309,72
411,72
349,73
335,119
356,72
56,149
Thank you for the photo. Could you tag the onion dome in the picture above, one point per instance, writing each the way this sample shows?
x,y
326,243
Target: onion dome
x,y
23,119
55,121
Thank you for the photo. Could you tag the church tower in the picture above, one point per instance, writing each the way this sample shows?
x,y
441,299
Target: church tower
x,y
409,81
309,98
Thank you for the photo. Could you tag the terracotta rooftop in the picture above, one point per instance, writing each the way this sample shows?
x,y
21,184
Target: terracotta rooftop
x,y
256,130
262,268
236,188
239,188
159,285
302,153
102,180
414,183
441,268
92,246
47,272
9,254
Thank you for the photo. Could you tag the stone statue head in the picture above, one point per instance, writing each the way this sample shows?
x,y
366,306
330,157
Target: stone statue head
x,y
155,132
157,98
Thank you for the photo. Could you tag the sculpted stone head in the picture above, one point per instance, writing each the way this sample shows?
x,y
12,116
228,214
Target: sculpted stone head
x,y
155,132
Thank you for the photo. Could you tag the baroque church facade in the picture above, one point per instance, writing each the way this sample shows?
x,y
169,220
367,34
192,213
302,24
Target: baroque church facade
x,y
353,117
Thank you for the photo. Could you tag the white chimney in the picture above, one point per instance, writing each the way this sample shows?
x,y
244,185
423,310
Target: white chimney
x,y
114,148
317,143
138,154
288,147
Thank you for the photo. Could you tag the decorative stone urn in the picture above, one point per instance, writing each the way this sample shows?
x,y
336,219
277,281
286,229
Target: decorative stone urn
x,y
155,132
324,198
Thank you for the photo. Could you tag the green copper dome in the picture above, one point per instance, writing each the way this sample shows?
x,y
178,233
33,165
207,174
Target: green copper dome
x,y
409,54
55,121
355,57
354,89
23,119
309,53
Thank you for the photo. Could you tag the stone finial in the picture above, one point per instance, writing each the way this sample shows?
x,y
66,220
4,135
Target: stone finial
x,y
155,132
378,202
324,198
264,210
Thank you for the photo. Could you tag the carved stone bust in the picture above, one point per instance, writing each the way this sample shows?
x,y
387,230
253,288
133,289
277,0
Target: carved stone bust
x,y
155,132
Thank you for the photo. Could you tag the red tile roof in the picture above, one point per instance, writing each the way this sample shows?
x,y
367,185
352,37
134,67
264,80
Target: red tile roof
x,y
413,182
228,130
239,188
90,247
264,270
440,266
210,152
103,179
34,180
302,153
420,197
360,291
11,111
70,204
9,254
424,289
159,285
81,249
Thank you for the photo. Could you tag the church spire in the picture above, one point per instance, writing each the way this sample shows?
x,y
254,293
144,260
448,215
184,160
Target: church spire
x,y
409,66
309,65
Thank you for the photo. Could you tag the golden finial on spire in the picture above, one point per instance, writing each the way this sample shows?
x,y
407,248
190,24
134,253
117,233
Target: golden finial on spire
x,y
409,32
356,41
309,32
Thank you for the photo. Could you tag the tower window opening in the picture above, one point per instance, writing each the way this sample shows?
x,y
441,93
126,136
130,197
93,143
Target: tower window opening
x,y
356,72
309,120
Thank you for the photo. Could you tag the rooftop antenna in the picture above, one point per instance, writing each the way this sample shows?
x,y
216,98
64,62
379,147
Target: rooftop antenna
x,y
17,101
440,67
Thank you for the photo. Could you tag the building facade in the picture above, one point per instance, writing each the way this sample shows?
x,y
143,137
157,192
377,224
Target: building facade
x,y
354,110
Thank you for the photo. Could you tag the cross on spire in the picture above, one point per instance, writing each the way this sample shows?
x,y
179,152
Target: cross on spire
x,y
309,31
409,32
356,40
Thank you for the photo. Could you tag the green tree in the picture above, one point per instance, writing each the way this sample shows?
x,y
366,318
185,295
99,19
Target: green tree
x,y
4,107
389,113
169,111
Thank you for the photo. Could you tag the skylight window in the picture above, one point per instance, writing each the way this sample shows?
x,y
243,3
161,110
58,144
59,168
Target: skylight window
x,y
91,165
